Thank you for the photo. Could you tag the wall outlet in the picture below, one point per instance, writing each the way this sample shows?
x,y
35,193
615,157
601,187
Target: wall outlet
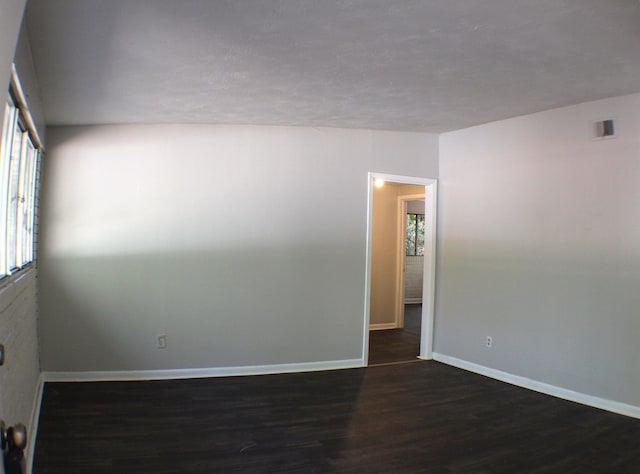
x,y
162,341
489,341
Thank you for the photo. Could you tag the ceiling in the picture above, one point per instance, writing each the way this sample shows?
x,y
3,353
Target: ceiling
x,y
430,65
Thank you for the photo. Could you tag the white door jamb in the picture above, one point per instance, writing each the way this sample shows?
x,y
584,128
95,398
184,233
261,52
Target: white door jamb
x,y
429,277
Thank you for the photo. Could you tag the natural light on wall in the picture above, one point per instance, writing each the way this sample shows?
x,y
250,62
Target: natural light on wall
x,y
19,155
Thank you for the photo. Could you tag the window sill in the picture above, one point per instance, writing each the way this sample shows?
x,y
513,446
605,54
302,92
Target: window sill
x,y
17,275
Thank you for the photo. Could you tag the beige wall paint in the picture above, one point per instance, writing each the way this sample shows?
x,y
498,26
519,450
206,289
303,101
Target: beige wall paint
x,y
539,247
245,245
384,251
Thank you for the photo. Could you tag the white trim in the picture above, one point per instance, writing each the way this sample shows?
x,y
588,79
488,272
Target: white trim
x,y
16,88
367,271
429,269
428,291
395,178
16,277
382,326
398,309
32,432
548,389
123,375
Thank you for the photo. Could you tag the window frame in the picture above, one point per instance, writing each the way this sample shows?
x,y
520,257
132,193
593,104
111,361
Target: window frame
x,y
20,153
415,239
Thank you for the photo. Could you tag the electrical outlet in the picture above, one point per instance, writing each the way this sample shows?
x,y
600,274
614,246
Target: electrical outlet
x,y
162,341
489,341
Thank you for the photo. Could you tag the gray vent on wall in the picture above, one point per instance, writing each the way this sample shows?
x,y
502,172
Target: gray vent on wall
x,y
605,129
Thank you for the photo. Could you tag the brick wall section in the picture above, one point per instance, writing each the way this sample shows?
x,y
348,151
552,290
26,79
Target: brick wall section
x,y
19,334
413,277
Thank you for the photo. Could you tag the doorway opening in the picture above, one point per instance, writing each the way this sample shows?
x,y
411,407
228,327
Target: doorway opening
x,y
399,300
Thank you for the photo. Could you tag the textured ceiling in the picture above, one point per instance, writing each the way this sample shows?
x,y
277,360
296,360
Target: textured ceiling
x,y
430,65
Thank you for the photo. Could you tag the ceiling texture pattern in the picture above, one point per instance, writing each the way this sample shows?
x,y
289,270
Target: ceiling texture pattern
x,y
430,65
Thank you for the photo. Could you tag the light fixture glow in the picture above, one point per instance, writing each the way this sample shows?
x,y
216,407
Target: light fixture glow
x,y
378,182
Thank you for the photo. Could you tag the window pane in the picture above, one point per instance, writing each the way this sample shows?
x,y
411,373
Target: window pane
x,y
23,224
12,198
5,162
410,239
420,235
18,170
21,216
30,191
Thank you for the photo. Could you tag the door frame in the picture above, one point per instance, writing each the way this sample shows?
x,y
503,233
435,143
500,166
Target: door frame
x,y
429,270
401,254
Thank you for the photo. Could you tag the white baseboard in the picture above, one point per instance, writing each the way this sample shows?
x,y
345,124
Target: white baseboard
x,y
582,398
381,326
121,375
33,424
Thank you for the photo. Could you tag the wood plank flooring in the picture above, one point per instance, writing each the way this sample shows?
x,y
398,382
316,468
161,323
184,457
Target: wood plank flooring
x,y
415,417
397,345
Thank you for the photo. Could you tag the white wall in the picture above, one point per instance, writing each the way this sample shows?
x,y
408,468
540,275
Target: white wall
x,y
539,248
245,245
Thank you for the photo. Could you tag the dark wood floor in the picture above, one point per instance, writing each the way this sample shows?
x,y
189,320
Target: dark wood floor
x,y
397,345
414,417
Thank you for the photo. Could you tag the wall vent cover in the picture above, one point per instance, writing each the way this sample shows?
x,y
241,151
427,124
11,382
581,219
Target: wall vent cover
x,y
605,129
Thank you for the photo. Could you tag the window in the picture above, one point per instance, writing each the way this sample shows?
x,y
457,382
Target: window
x,y
19,156
414,240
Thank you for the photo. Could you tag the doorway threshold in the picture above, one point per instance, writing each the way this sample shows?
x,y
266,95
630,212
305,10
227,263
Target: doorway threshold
x,y
397,363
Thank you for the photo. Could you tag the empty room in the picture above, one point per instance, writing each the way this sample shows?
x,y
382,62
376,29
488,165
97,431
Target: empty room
x,y
223,220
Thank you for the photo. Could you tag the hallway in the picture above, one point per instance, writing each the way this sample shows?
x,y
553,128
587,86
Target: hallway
x,y
397,345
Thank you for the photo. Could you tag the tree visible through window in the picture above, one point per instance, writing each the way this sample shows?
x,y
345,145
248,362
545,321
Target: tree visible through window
x,y
414,240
